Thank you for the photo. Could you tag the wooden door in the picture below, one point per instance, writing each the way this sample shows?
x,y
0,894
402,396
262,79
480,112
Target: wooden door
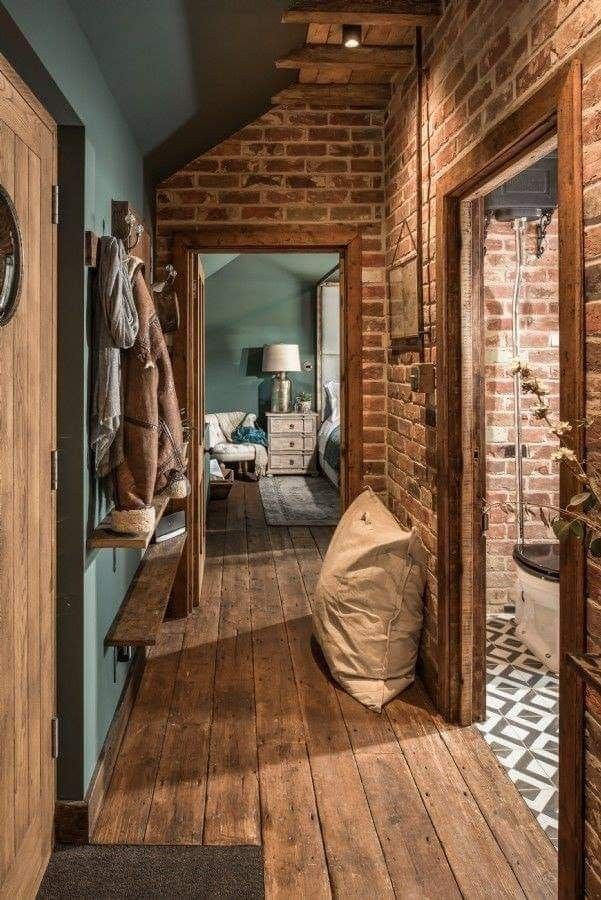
x,y
196,380
27,499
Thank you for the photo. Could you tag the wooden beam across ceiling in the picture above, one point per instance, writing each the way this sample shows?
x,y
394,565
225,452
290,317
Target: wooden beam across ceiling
x,y
359,59
395,13
368,96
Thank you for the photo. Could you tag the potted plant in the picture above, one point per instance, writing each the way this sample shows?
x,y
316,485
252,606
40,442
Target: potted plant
x,y
303,402
582,516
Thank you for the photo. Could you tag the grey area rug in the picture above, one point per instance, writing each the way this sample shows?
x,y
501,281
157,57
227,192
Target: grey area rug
x,y
116,871
296,500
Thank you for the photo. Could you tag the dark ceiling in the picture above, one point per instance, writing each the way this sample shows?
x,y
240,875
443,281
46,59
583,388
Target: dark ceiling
x,y
188,73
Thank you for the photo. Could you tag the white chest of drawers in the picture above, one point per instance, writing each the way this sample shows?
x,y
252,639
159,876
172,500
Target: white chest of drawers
x,y
291,443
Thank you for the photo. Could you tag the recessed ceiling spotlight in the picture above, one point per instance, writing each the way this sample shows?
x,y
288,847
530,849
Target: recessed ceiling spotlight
x,y
351,35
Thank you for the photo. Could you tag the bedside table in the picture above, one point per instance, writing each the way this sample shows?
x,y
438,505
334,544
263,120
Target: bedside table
x,y
291,443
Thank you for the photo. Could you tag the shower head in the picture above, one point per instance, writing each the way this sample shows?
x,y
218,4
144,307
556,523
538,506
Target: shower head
x,y
527,195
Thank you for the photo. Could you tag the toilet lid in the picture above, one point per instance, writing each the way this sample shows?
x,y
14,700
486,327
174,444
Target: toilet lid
x,y
540,559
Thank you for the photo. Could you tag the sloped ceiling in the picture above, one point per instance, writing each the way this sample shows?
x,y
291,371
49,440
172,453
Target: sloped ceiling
x,y
306,267
188,73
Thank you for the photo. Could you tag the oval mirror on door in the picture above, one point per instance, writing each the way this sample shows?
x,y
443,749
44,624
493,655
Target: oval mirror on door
x,y
11,258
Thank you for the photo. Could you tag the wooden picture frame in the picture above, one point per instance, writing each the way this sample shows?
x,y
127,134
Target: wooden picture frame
x,y
405,308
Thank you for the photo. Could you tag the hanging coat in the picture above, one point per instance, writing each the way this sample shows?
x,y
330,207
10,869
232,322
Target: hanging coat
x,y
153,463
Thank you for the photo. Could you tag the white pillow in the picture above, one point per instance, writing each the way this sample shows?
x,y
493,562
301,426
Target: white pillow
x,y
368,609
332,389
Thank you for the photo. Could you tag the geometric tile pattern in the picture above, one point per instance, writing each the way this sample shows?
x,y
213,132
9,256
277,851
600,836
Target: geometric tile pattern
x,y
522,716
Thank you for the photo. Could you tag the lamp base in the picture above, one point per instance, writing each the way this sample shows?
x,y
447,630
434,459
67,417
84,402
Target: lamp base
x,y
281,390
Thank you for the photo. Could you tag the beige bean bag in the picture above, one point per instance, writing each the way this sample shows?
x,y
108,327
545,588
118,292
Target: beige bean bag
x,y
368,607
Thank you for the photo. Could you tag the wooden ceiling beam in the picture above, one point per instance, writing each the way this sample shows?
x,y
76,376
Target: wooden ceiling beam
x,y
395,13
359,59
370,96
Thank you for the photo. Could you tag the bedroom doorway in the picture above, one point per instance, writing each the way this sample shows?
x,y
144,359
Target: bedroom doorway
x,y
345,244
272,381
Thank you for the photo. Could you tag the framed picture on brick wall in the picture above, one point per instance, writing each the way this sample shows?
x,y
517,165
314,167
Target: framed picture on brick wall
x,y
405,307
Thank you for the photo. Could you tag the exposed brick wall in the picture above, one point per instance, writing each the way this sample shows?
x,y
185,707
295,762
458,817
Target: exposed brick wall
x,y
294,166
539,342
481,59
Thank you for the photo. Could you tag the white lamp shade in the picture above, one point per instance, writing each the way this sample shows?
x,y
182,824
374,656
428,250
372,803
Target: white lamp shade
x,y
281,358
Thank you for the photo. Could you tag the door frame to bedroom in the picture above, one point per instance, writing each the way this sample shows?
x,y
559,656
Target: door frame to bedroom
x,y
346,241
553,112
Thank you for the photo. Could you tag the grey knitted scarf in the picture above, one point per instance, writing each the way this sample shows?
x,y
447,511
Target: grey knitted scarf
x,y
115,329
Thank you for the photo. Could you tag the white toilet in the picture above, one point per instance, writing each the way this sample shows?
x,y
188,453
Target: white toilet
x,y
537,610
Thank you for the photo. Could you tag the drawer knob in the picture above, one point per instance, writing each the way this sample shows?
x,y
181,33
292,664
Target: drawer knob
x,y
291,462
292,443
291,425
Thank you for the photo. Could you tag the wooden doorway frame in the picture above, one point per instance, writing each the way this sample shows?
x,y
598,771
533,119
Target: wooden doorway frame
x,y
554,110
346,241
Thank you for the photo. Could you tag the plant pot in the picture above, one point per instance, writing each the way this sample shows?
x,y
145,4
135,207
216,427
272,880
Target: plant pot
x,y
304,406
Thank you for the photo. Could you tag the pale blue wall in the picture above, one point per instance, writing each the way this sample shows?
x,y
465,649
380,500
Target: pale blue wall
x,y
91,587
252,300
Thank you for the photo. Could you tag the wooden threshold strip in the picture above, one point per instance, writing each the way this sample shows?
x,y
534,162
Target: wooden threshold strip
x,y
141,614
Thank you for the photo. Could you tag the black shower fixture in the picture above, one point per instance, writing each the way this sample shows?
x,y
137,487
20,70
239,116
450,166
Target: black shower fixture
x,y
530,195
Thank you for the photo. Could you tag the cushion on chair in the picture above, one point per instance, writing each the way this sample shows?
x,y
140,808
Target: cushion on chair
x,y
368,607
233,452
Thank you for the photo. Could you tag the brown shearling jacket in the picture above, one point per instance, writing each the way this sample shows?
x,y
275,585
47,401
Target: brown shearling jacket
x,y
153,462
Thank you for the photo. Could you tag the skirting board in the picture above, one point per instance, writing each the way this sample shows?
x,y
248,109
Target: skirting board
x,y
74,820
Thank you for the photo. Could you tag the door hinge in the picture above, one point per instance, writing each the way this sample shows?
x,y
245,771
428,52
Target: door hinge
x,y
54,732
55,204
54,470
484,522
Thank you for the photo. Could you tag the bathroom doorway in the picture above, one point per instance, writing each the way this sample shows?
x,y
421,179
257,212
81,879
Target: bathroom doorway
x,y
517,393
548,120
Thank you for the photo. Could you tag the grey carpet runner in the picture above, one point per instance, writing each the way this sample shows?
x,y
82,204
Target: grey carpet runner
x,y
296,500
96,871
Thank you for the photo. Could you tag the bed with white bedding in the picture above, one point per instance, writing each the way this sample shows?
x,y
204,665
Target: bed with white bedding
x,y
328,437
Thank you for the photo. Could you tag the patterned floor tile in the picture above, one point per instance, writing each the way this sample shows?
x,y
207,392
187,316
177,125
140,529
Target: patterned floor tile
x,y
522,704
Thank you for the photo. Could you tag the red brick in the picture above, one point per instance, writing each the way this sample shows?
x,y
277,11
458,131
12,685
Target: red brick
x,y
259,180
328,166
305,181
306,149
285,165
307,213
262,213
285,133
350,118
216,181
202,164
329,134
263,148
239,197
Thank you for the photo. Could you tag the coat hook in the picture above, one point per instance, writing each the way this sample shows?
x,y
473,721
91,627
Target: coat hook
x,y
133,226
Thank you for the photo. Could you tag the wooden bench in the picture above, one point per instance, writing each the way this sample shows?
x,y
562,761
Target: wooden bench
x,y
142,612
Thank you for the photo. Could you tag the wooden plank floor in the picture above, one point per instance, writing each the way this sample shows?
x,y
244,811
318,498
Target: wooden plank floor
x,y
238,736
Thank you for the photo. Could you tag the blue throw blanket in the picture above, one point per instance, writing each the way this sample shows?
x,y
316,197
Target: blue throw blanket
x,y
244,434
331,454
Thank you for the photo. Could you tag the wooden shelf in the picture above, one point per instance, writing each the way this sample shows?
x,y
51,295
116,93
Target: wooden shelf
x,y
142,612
103,536
588,667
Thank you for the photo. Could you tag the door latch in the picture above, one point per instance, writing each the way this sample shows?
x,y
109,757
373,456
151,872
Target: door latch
x,y
54,737
54,470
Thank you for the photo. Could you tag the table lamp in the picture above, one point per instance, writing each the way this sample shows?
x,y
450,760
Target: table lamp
x,y
281,358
